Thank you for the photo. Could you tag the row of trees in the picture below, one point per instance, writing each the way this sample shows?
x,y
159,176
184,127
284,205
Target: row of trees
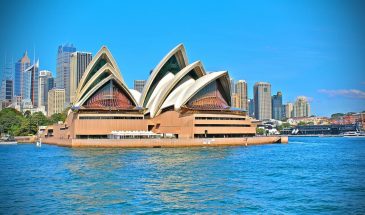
x,y
15,123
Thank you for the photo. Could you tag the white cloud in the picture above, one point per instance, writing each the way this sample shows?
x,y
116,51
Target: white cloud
x,y
351,93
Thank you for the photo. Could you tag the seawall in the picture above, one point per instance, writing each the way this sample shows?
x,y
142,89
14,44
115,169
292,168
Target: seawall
x,y
164,143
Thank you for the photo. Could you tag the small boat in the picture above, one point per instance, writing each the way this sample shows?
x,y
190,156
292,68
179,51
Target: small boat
x,y
354,134
8,140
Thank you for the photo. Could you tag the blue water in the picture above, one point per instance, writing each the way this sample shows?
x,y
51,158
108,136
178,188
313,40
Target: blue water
x,y
306,176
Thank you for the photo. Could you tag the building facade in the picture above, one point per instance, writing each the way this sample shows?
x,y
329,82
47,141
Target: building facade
x,y
251,107
179,100
46,83
241,91
63,68
20,66
78,63
262,98
7,90
139,85
288,110
301,107
56,101
30,84
277,106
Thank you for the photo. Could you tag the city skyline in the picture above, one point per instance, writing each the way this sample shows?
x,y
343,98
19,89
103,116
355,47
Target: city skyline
x,y
294,59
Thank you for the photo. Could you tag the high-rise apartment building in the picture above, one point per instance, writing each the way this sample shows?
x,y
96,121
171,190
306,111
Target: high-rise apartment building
x,y
235,100
139,85
56,101
262,98
233,90
63,69
78,63
301,107
288,110
20,66
30,84
251,107
46,83
241,91
6,90
277,106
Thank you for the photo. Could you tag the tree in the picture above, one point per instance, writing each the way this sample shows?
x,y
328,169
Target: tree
x,y
260,131
55,118
337,115
283,125
301,123
10,120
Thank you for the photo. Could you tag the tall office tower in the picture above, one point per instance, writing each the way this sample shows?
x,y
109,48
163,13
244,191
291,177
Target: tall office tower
x,y
6,90
301,107
288,110
20,66
30,84
63,69
251,108
56,101
78,63
235,100
233,91
139,85
262,98
46,83
241,91
277,106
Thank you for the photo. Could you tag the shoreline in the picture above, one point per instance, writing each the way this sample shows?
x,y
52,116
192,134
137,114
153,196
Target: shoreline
x,y
164,143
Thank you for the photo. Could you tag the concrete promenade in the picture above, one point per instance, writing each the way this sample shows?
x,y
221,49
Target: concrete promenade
x,y
164,143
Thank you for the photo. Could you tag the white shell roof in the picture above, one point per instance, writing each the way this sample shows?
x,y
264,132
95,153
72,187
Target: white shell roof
x,y
197,86
157,69
162,94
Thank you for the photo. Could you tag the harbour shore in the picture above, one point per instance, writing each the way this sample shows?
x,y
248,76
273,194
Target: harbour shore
x,y
164,143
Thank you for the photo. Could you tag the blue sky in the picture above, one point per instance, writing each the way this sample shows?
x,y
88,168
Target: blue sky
x,y
310,48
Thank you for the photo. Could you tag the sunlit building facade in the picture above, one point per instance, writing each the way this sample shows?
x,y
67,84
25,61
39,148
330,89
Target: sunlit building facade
x,y
241,91
179,99
262,98
30,84
46,83
277,106
20,66
301,107
56,101
63,68
139,85
78,64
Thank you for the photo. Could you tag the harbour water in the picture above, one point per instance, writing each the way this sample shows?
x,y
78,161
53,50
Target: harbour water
x,y
307,176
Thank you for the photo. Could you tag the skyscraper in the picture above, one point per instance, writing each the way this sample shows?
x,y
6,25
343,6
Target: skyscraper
x,y
288,110
7,90
78,64
20,66
241,91
262,98
301,107
56,101
30,84
139,85
233,91
63,69
235,100
46,83
251,108
277,105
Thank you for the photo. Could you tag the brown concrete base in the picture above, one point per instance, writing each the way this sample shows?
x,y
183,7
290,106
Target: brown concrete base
x,y
164,143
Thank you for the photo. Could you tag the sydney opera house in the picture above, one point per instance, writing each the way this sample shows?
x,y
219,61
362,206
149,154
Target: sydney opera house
x,y
180,100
